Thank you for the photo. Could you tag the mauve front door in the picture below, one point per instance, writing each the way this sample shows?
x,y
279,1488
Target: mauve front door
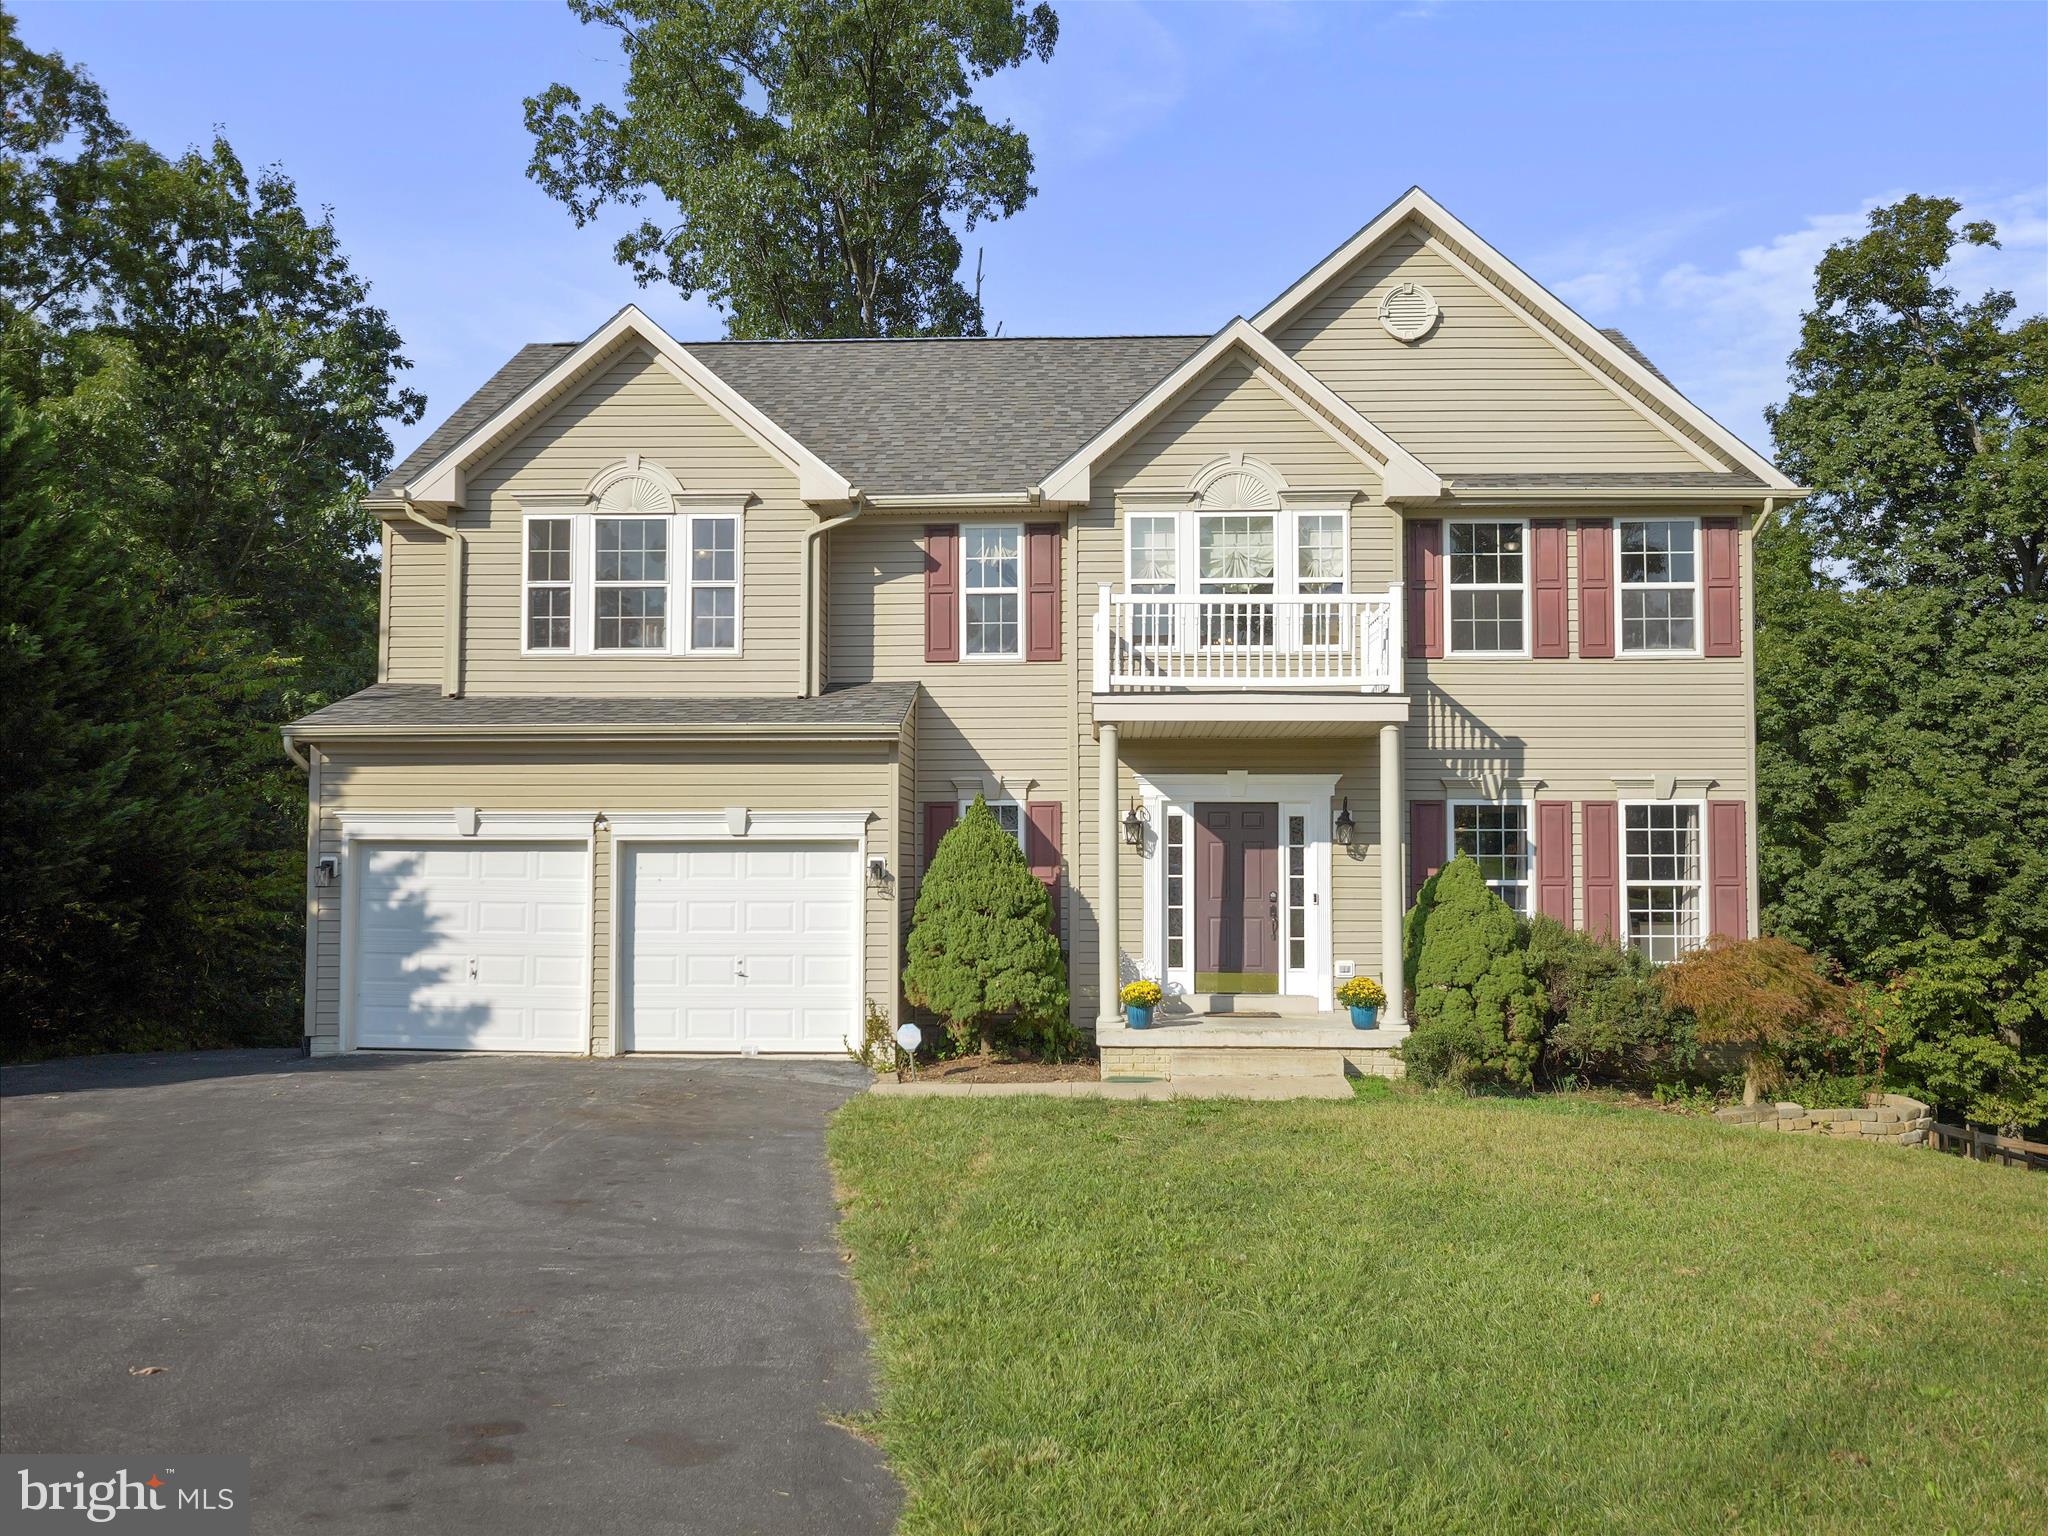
x,y
1237,898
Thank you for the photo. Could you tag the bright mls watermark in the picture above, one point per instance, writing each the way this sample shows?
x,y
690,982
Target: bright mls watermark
x,y
166,1496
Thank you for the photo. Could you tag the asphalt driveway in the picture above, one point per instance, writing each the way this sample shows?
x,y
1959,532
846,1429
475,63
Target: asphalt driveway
x,y
442,1294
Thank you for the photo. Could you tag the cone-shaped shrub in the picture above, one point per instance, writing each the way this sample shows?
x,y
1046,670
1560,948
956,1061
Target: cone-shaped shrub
x,y
982,952
1479,1006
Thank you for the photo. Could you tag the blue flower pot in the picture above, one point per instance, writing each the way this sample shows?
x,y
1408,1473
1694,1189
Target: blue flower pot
x,y
1365,1018
1138,1015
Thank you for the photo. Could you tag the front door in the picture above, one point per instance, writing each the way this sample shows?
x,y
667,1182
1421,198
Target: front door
x,y
1237,898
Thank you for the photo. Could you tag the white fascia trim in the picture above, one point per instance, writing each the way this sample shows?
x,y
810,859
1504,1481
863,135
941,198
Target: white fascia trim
x,y
1417,203
442,482
444,826
718,826
1403,476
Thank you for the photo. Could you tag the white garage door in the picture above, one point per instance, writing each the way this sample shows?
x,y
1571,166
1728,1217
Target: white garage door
x,y
739,946
472,946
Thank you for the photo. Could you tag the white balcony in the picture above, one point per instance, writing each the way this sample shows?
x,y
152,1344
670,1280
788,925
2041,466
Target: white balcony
x,y
1334,643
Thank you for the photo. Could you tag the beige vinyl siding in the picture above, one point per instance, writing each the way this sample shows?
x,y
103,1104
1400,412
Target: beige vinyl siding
x,y
980,723
415,603
635,405
1484,392
548,777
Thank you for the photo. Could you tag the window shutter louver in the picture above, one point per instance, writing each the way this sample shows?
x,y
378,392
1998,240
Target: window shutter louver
x,y
1547,589
1425,587
1721,564
1042,849
942,592
1425,843
1596,588
1601,821
1728,863
939,816
1554,859
1042,591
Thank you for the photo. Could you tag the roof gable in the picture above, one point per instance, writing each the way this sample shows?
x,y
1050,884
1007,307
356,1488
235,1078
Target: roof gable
x,y
1619,367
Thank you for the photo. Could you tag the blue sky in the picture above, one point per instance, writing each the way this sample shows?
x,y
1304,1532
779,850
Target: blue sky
x,y
1674,169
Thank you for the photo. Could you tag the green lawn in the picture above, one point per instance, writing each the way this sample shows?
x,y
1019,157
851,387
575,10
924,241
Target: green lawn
x,y
1416,1314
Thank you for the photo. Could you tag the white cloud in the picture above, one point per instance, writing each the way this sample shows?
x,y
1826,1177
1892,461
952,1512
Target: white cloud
x,y
1723,329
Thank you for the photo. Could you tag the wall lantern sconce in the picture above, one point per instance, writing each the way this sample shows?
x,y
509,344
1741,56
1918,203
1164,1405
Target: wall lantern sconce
x,y
327,871
1346,827
878,873
1134,825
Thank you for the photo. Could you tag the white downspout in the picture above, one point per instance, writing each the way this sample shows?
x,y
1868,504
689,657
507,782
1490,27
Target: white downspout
x,y
451,612
808,580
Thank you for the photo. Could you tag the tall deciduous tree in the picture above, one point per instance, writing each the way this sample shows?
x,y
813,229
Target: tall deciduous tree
x,y
1902,660
814,152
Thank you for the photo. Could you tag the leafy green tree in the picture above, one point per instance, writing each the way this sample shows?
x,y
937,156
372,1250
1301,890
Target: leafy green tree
x,y
815,153
983,956
1479,1006
217,388
1902,658
1607,1014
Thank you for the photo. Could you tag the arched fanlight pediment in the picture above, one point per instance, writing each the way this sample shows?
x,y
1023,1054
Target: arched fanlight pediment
x,y
635,485
1237,484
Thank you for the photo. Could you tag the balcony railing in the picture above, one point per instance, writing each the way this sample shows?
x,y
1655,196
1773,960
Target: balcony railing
x,y
1335,642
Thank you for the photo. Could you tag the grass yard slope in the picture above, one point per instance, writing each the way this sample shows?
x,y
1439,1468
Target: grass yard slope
x,y
1440,1315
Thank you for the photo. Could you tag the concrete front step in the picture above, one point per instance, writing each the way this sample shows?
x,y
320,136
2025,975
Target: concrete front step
x,y
1291,1063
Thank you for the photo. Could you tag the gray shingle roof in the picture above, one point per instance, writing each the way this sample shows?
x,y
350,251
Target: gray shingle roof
x,y
868,709
929,416
527,364
1633,351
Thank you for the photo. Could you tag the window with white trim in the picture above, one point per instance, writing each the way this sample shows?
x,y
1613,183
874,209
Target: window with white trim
x,y
1152,569
1664,876
1297,893
1009,816
714,582
1487,579
1659,585
630,583
1320,567
1495,836
1176,840
550,584
991,592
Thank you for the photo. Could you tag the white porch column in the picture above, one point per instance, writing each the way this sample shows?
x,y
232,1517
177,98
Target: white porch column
x,y
1108,946
1393,870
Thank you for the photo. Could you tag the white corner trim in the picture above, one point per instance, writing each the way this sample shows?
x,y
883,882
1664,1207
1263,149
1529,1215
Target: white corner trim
x,y
1402,475
466,823
717,826
1419,204
442,482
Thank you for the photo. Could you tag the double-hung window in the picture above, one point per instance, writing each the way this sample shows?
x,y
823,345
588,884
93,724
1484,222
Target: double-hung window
x,y
1659,586
1319,568
1496,838
714,578
991,595
550,584
1664,868
630,583
1488,586
1009,816
1154,572
1234,558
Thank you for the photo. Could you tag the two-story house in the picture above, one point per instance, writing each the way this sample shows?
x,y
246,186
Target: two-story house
x,y
691,652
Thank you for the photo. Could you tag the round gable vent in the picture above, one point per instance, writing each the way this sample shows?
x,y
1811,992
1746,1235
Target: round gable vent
x,y
1409,312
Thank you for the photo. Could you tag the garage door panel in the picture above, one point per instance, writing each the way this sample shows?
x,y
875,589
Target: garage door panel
x,y
472,947
761,958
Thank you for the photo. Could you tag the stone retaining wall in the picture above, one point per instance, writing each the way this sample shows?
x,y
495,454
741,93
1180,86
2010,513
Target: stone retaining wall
x,y
1891,1118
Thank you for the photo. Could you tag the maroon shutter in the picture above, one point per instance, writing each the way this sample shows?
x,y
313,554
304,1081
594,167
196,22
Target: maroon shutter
x,y
1554,859
1425,842
1728,863
942,592
939,816
1721,559
1547,563
1596,588
1042,849
1042,592
1602,829
1425,587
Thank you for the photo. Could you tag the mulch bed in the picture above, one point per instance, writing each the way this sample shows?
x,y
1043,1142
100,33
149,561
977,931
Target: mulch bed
x,y
987,1068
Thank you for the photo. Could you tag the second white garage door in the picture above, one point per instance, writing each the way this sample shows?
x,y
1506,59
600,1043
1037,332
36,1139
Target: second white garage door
x,y
739,946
